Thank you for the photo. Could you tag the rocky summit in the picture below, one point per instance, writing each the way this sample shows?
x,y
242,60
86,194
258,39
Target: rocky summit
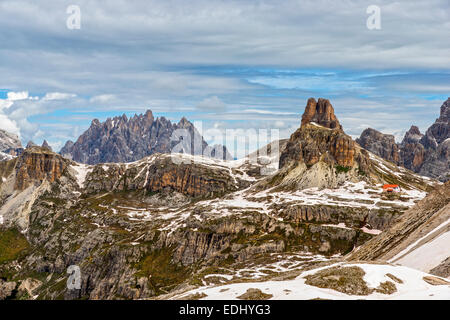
x,y
10,145
380,144
9,141
427,154
181,226
126,140
320,112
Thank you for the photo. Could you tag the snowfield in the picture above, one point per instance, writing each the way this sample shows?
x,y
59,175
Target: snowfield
x,y
413,286
428,255
81,171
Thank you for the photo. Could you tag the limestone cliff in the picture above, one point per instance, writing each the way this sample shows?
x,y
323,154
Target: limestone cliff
x,y
37,164
380,144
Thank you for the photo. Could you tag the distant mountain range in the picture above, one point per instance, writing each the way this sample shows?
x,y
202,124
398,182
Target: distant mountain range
x,y
121,140
427,154
126,140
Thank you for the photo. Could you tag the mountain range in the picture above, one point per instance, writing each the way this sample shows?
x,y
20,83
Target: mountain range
x,y
182,226
126,140
427,154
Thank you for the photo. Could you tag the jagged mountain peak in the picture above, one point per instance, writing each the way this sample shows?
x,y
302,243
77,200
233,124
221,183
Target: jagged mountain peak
x,y
320,112
45,145
319,156
414,130
319,138
184,122
427,154
445,110
123,139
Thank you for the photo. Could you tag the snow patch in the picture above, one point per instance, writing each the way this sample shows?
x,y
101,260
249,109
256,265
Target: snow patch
x,y
81,171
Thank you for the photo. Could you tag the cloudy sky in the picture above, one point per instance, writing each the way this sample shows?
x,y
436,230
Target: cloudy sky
x,y
229,64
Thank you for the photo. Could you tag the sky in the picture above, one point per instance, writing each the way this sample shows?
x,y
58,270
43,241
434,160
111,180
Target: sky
x,y
249,64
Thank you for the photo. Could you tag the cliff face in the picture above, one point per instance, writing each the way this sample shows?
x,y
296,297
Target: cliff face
x,y
158,173
380,144
37,164
319,150
427,154
320,112
310,144
126,140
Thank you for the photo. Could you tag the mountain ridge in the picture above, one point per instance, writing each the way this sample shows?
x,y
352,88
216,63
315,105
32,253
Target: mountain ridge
x,y
427,154
123,139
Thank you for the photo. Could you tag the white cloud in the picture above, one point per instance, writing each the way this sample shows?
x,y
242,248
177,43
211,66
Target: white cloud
x,y
102,98
260,111
5,104
279,124
58,96
20,106
9,125
14,96
212,104
170,56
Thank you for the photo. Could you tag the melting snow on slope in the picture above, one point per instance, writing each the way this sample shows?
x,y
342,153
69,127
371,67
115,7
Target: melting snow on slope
x,y
413,286
403,252
81,171
429,255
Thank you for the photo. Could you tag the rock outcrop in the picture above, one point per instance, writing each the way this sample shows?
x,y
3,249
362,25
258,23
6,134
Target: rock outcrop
x,y
310,144
126,140
380,144
37,164
412,152
323,156
427,154
320,112
320,136
158,173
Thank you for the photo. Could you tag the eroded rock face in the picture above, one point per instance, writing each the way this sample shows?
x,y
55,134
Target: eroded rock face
x,y
320,112
162,175
380,144
440,130
426,154
326,142
37,164
126,140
